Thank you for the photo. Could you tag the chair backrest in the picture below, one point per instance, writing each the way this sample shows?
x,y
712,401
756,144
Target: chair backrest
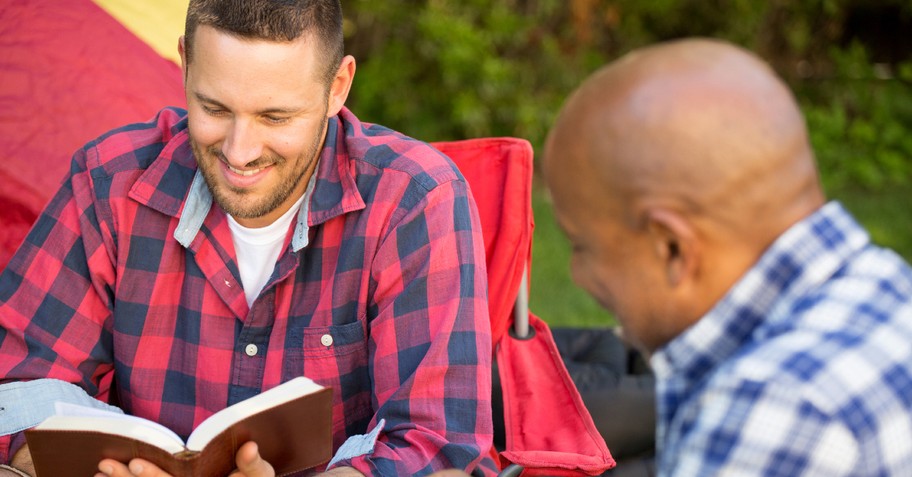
x,y
548,430
499,173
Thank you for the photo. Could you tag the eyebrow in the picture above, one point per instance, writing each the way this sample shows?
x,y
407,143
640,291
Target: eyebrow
x,y
202,97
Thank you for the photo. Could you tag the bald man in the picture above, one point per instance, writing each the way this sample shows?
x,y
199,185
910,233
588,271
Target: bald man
x,y
780,337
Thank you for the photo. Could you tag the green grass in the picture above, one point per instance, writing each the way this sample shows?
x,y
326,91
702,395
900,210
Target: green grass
x,y
556,299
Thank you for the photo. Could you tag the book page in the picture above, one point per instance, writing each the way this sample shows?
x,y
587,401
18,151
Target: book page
x,y
118,424
69,409
223,419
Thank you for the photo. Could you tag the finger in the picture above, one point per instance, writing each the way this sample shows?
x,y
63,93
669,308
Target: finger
x,y
142,468
112,468
137,468
250,464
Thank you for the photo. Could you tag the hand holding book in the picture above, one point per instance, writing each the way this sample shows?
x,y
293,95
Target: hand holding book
x,y
248,460
291,424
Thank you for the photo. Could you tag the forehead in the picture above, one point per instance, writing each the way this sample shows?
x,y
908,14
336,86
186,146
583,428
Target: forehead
x,y
586,223
570,177
220,58
587,213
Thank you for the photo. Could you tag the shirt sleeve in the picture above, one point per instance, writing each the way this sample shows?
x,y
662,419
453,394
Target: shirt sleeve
x,y
54,297
430,341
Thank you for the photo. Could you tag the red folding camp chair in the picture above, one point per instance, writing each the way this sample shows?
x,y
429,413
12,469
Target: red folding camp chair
x,y
548,430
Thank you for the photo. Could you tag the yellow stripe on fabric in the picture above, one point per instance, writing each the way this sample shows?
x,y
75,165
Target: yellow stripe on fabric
x,y
159,23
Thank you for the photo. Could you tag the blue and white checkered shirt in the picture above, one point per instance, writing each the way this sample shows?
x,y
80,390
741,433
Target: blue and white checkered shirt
x,y
803,368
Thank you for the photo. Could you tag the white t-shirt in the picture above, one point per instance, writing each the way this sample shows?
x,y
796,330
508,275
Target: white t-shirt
x,y
258,250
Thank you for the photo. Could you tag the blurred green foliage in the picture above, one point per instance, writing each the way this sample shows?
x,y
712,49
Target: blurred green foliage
x,y
454,69
860,125
451,69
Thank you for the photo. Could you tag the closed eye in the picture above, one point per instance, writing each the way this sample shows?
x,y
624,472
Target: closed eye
x,y
213,111
276,120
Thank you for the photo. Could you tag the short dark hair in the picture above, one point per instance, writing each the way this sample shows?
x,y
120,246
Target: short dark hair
x,y
274,20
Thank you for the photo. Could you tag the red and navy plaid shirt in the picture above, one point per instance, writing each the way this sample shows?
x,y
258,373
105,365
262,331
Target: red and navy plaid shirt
x,y
386,303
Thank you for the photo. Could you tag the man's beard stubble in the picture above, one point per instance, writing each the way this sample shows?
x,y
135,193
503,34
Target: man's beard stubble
x,y
236,202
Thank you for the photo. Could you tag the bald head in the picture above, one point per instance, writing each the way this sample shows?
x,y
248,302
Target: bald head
x,y
694,155
700,124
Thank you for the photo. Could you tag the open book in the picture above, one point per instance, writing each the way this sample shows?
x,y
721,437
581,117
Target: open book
x,y
291,423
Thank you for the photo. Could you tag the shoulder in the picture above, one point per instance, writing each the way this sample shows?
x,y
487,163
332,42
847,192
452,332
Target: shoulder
x,y
876,279
136,146
378,148
836,364
831,374
839,335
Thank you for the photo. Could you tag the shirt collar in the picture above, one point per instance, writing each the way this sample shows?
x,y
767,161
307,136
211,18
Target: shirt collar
x,y
163,185
802,258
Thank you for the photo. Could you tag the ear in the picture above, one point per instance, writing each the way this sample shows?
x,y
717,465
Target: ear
x,y
182,51
676,243
341,85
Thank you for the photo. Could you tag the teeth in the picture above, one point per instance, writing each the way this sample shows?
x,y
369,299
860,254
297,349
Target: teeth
x,y
243,173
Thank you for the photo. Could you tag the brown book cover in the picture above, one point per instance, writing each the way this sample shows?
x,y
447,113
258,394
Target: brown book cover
x,y
291,424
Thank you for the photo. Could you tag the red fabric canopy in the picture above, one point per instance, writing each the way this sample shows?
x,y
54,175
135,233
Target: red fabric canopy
x,y
69,72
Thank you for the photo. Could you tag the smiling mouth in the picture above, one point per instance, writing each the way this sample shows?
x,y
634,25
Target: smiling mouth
x,y
246,173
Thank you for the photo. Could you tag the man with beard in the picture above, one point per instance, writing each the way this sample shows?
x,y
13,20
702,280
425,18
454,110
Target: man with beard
x,y
196,260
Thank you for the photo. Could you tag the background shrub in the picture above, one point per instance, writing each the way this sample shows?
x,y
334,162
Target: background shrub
x,y
451,69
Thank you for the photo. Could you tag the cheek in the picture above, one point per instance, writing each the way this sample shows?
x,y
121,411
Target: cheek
x,y
294,142
287,146
206,131
617,285
595,279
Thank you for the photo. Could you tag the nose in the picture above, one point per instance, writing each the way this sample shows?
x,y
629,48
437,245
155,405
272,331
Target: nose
x,y
242,144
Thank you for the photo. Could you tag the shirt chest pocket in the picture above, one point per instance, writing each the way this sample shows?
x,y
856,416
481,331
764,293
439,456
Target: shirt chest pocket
x,y
328,354
335,356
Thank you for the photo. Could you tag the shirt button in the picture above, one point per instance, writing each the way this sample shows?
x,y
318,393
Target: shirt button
x,y
251,349
327,340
